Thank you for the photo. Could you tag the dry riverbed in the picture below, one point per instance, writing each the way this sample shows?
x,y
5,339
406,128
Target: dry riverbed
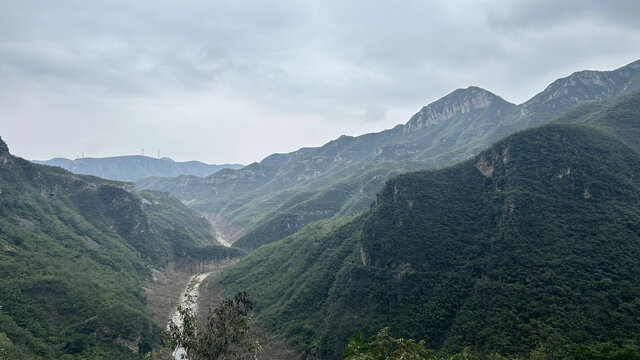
x,y
166,289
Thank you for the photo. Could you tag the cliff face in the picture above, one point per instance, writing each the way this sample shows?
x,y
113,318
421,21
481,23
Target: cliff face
x,y
459,102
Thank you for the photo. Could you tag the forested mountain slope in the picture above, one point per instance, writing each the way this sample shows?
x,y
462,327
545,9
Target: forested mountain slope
x,y
535,241
619,116
74,252
135,167
282,193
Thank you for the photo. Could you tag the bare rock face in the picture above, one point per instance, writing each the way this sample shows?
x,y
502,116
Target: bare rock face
x,y
485,166
129,344
461,101
585,86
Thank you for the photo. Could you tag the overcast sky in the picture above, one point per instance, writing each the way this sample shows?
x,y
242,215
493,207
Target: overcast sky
x,y
237,80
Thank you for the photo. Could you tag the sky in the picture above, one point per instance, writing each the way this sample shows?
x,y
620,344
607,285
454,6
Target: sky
x,y
234,81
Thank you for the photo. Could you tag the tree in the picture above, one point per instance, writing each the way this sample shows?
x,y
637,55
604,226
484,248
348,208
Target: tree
x,y
222,336
382,346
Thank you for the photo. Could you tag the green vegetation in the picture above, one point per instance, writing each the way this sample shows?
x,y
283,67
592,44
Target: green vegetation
x,y
382,346
74,253
278,196
533,242
529,249
619,116
223,335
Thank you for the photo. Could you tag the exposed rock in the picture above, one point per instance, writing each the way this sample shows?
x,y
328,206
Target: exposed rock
x,y
363,257
460,101
129,344
485,166
565,173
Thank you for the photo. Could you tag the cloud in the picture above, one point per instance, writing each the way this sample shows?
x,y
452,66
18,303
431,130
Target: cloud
x,y
302,71
375,112
545,14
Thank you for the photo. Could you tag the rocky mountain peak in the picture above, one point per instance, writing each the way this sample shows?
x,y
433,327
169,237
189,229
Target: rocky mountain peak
x,y
580,78
460,101
588,85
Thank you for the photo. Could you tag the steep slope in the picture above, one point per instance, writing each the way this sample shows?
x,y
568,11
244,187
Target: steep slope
x,y
619,116
534,241
135,167
560,96
317,183
74,251
244,194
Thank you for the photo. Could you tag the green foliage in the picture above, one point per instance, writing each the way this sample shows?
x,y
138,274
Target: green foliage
x,y
278,196
607,351
74,253
522,250
179,233
295,275
619,116
382,346
223,335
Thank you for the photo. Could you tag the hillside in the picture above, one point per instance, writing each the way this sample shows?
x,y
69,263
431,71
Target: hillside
x,y
74,253
535,241
135,167
619,116
284,192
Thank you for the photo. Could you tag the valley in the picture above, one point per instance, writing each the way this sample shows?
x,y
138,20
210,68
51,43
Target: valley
x,y
479,226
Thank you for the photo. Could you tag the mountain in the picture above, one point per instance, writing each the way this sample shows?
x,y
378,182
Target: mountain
x,y
534,243
135,167
74,253
618,116
267,201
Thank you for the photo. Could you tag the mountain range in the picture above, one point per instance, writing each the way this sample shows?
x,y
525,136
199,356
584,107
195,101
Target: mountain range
x,y
535,241
75,251
266,201
509,229
135,167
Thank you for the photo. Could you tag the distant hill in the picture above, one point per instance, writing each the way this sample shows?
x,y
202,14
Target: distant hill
x,y
74,253
135,167
535,242
269,200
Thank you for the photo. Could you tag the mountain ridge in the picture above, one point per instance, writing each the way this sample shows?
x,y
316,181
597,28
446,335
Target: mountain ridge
x,y
456,102
503,252
135,167
476,119
74,253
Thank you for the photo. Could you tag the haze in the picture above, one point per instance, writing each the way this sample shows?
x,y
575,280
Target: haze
x,y
234,81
